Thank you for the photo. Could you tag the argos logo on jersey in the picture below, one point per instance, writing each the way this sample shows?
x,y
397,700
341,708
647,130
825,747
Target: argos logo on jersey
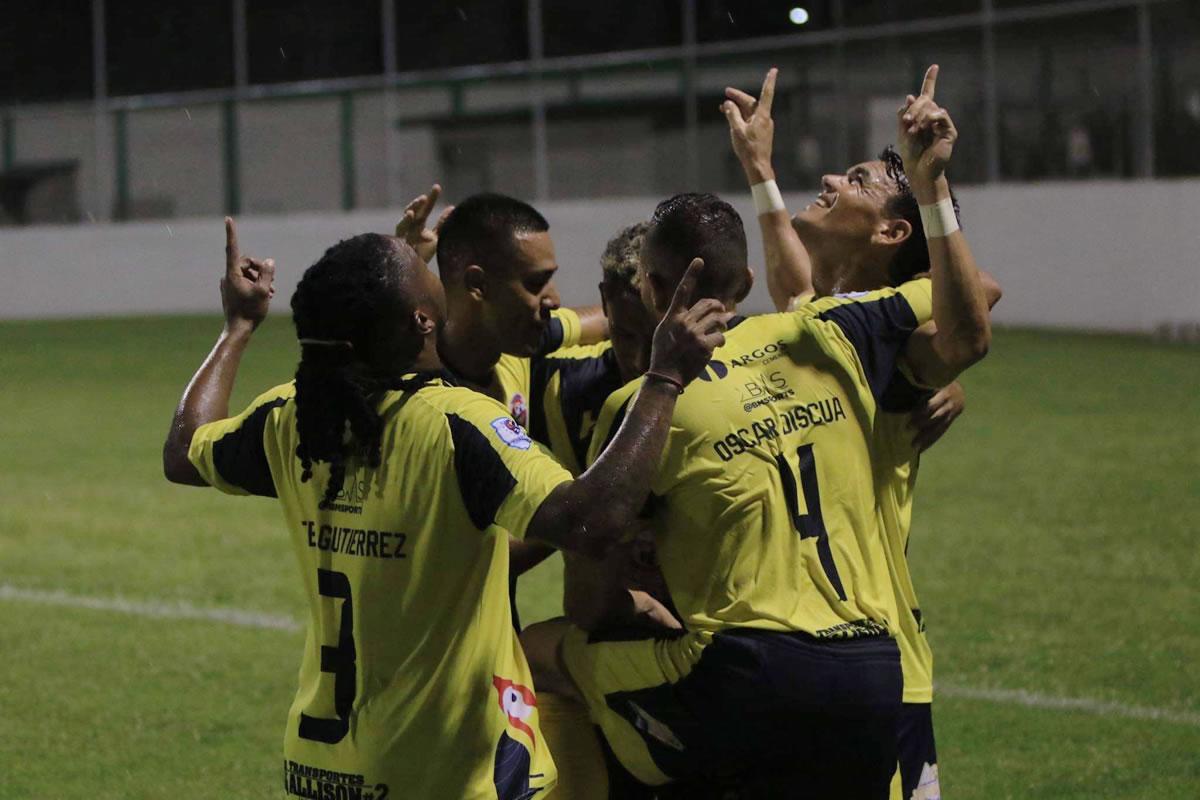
x,y
518,703
511,433
765,354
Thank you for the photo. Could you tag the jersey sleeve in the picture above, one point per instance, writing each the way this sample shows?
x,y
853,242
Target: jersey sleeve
x,y
229,453
567,391
565,330
503,475
878,325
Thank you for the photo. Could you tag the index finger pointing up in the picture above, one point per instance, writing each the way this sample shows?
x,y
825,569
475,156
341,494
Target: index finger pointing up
x,y
686,290
767,95
927,86
232,254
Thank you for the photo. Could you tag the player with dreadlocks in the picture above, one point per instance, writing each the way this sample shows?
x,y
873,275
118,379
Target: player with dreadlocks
x,y
335,382
400,492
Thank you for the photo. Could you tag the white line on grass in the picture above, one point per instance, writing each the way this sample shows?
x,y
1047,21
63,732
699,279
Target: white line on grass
x,y
256,619
1021,697
176,610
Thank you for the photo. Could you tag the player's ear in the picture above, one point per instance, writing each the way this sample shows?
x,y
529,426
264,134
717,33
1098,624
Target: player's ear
x,y
747,285
603,299
475,282
423,323
893,231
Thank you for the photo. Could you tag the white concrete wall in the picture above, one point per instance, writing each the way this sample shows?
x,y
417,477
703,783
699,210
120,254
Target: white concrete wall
x,y
177,168
290,154
55,136
1120,256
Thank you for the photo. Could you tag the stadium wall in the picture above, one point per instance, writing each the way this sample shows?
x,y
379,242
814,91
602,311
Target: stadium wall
x,y
1122,256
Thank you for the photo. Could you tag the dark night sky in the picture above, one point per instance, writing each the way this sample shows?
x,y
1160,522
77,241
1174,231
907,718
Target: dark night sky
x,y
168,45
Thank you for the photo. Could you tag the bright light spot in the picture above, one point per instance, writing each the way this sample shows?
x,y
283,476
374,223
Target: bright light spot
x,y
798,16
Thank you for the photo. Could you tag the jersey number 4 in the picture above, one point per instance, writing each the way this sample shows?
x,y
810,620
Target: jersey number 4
x,y
812,524
341,661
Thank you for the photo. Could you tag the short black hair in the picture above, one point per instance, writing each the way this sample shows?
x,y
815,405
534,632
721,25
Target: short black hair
x,y
694,225
480,231
912,258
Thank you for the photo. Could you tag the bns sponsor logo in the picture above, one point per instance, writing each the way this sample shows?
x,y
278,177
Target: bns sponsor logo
x,y
714,371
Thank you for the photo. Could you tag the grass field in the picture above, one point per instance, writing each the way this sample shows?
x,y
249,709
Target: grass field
x,y
1054,548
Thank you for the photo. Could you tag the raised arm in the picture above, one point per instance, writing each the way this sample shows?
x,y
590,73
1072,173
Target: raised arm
x,y
752,134
590,513
593,325
246,292
962,325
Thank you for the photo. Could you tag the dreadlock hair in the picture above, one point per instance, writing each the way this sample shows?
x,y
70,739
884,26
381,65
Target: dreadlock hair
x,y
621,257
344,301
913,256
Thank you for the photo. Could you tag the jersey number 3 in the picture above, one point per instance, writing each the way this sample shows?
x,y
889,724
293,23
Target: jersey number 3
x,y
812,524
341,661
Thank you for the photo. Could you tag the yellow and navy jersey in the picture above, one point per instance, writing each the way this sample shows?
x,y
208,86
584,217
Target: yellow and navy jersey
x,y
568,388
766,510
413,680
511,378
896,464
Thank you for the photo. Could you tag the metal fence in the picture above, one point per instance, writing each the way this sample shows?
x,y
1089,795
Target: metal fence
x,y
1039,90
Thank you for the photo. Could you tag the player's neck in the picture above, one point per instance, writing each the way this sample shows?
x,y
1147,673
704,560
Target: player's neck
x,y
428,359
856,273
468,354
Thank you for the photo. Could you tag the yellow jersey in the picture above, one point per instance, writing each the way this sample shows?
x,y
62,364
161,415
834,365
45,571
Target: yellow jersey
x,y
511,378
569,388
766,513
896,463
412,682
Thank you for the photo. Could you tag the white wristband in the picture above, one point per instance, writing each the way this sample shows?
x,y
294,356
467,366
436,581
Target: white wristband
x,y
938,219
767,198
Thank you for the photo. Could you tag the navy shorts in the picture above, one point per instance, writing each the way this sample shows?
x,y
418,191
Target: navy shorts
x,y
766,714
918,755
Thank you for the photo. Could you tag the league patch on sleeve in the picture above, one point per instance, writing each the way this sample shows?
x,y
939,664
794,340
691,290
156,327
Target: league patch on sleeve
x,y
511,433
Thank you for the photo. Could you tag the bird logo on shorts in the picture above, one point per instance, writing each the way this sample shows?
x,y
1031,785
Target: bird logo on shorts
x,y
512,775
518,702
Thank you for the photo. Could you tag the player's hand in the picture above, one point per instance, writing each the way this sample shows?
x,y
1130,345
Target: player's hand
x,y
685,339
925,133
651,614
248,285
751,129
933,417
412,227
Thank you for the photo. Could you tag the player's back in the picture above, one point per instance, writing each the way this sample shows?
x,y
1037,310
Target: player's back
x,y
412,676
767,515
768,535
